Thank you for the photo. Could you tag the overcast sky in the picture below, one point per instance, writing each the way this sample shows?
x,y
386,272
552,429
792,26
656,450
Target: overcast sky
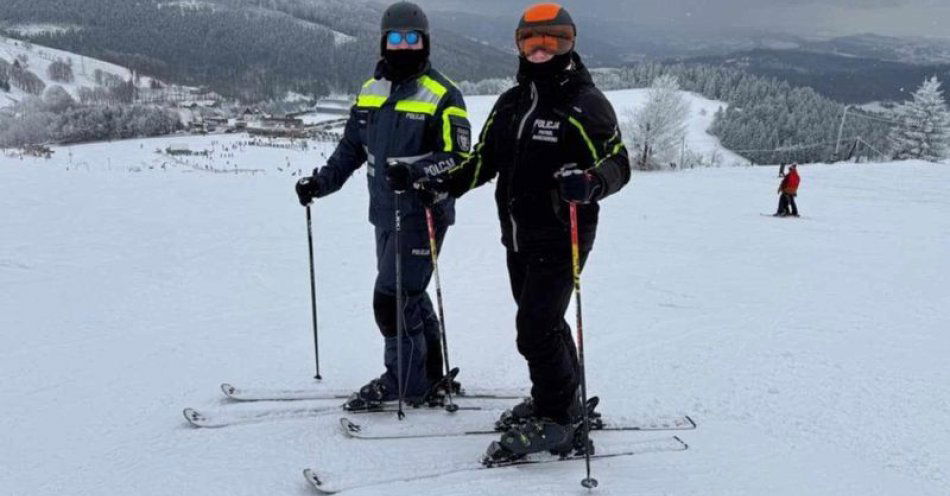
x,y
803,17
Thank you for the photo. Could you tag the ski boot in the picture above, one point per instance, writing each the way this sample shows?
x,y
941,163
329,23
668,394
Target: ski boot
x,y
515,415
538,435
372,396
438,390
525,410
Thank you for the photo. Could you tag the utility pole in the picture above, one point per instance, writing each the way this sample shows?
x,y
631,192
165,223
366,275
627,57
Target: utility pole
x,y
646,149
840,131
683,154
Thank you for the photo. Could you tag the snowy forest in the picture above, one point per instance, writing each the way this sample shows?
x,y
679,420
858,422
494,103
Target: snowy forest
x,y
768,120
244,49
58,118
253,51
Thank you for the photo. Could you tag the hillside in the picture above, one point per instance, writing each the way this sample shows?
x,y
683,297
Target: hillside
x,y
810,351
241,48
844,78
38,59
923,51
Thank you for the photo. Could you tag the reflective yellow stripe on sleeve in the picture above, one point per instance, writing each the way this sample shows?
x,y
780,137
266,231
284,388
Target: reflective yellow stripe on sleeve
x,y
416,106
478,152
374,101
590,144
374,94
447,124
618,146
426,99
433,86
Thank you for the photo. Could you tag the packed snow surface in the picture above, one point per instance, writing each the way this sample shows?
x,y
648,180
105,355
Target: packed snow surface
x,y
811,352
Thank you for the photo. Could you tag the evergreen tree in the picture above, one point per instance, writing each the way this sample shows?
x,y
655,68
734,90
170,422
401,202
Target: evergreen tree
x,y
924,127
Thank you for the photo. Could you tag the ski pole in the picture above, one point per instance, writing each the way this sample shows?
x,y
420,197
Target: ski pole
x,y
588,482
313,297
434,252
400,311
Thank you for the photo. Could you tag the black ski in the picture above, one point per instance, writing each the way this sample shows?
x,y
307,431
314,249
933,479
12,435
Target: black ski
x,y
225,418
409,430
327,483
264,394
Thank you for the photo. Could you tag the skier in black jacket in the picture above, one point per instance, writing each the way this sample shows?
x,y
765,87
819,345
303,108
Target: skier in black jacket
x,y
412,114
551,140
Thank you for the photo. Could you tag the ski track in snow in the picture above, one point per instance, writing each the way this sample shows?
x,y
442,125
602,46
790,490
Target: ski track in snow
x,y
809,351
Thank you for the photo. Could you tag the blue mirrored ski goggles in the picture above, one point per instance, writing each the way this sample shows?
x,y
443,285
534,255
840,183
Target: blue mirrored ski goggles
x,y
397,37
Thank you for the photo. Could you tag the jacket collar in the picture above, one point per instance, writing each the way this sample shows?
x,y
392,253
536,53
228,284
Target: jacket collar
x,y
568,80
382,72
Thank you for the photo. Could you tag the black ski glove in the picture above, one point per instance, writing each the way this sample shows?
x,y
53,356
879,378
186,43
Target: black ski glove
x,y
402,176
399,176
308,188
431,190
578,185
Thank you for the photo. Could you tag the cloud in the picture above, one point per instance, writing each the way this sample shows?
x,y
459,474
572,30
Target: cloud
x,y
805,17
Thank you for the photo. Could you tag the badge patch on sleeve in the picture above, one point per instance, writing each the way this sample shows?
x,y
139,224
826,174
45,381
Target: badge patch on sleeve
x,y
461,135
463,139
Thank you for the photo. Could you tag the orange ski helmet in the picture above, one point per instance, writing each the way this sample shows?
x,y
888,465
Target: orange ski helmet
x,y
548,26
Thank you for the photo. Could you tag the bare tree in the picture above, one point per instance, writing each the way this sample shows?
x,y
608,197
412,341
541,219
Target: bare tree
x,y
60,71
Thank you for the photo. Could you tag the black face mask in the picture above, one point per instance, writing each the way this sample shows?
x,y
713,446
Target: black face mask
x,y
544,70
403,64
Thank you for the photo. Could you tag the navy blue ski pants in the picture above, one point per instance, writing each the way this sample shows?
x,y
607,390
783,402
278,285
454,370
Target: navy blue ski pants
x,y
421,344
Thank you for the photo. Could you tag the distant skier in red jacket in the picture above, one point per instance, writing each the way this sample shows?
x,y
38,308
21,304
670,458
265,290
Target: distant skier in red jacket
x,y
788,190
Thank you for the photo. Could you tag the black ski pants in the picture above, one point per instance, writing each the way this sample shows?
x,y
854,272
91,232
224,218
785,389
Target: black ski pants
x,y
786,201
542,285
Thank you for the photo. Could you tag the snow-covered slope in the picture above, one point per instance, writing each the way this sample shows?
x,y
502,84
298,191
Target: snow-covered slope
x,y
701,116
810,351
625,102
39,58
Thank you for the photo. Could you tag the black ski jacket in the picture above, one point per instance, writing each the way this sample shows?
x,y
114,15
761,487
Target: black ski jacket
x,y
534,130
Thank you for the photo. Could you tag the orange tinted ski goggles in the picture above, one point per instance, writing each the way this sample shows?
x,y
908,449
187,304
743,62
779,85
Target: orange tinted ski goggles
x,y
553,39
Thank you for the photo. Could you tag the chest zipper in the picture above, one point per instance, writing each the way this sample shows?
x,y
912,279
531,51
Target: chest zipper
x,y
511,179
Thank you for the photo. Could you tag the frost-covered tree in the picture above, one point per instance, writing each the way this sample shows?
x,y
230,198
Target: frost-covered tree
x,y
4,75
767,120
56,118
123,92
26,80
96,95
60,71
58,100
659,127
924,125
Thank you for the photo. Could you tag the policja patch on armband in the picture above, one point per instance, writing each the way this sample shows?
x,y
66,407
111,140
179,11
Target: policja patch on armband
x,y
463,139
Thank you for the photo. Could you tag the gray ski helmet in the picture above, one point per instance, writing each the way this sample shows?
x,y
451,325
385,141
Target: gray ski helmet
x,y
405,16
